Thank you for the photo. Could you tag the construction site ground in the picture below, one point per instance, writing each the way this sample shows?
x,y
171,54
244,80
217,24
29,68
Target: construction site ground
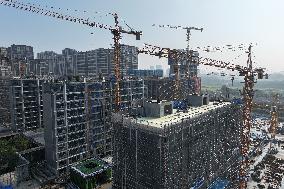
x,y
268,168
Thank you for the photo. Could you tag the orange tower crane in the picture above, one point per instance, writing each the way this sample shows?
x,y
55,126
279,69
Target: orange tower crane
x,y
274,118
116,31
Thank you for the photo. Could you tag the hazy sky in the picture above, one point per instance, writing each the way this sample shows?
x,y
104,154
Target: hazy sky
x,y
224,22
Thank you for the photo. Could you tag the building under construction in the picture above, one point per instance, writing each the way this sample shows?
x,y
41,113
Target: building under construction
x,y
164,148
77,119
5,115
164,88
26,104
21,103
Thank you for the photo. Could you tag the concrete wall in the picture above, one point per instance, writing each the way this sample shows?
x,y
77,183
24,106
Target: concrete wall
x,y
154,109
49,131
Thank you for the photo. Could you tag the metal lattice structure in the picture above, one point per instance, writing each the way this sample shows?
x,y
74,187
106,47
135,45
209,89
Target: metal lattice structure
x,y
248,94
274,118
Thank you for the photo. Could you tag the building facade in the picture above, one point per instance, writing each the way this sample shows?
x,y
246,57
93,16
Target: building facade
x,y
65,125
95,63
5,64
49,62
165,88
129,59
188,70
26,104
20,52
146,73
178,150
77,119
5,112
18,56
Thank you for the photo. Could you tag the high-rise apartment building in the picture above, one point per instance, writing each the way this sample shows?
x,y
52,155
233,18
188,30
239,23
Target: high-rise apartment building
x,y
46,55
104,63
40,67
146,73
5,64
70,60
26,104
77,119
163,148
18,56
165,88
186,67
5,115
81,62
95,63
99,62
65,125
3,55
129,59
20,52
54,63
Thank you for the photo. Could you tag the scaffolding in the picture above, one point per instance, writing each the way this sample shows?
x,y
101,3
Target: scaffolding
x,y
164,89
180,150
26,104
78,118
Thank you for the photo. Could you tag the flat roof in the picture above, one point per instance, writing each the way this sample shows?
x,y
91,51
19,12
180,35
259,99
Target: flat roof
x,y
91,167
176,117
36,136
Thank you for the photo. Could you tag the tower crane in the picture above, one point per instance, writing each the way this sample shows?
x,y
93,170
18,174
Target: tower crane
x,y
176,66
116,31
274,118
188,31
249,74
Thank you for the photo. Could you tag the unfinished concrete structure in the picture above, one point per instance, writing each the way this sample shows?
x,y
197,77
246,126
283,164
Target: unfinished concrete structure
x,y
5,115
65,125
180,150
165,89
77,119
26,104
187,68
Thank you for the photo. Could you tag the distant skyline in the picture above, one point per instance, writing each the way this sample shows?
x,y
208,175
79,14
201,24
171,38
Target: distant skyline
x,y
224,22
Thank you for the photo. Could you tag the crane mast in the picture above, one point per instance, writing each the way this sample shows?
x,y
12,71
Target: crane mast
x,y
274,118
116,37
248,94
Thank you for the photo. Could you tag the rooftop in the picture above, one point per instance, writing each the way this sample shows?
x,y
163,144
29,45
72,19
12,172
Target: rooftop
x,y
177,117
36,136
91,167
